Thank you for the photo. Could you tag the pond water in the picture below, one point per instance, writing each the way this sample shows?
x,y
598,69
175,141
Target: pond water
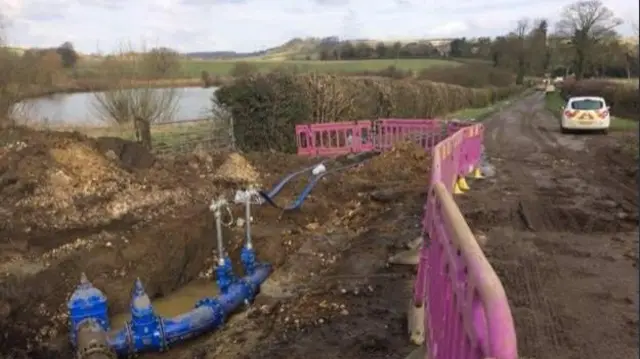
x,y
79,108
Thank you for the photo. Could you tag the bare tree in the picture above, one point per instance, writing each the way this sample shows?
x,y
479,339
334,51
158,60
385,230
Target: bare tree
x,y
132,100
540,55
520,34
15,81
586,23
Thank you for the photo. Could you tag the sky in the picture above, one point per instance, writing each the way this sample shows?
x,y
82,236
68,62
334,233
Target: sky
x,y
249,25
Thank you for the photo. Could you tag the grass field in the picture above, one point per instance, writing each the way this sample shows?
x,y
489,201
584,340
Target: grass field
x,y
165,136
554,103
193,68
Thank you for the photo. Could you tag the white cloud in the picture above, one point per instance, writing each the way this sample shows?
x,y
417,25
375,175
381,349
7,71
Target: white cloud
x,y
247,25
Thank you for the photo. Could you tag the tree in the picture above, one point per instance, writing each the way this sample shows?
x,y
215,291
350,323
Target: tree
x,y
521,49
500,52
132,99
48,67
538,51
68,55
460,48
397,47
586,23
561,56
16,77
162,62
381,50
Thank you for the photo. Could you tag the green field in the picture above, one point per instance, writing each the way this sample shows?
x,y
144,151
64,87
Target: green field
x,y
194,68
166,137
554,103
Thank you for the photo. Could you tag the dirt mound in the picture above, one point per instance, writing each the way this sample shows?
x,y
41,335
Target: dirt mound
x,y
406,161
236,169
130,154
54,181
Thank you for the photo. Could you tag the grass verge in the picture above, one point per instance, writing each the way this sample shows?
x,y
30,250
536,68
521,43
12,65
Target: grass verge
x,y
481,113
554,103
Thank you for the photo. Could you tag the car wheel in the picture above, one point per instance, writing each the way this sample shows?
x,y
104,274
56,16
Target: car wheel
x,y
604,132
563,130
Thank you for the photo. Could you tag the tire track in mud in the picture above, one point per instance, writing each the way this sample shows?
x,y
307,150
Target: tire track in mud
x,y
561,184
518,138
548,326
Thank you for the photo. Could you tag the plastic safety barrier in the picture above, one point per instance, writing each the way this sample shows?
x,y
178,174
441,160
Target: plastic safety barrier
x,y
425,133
339,138
467,315
334,139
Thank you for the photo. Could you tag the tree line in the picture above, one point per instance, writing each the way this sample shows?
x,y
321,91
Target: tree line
x,y
584,42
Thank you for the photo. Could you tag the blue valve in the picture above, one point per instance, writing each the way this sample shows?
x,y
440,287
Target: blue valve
x,y
248,259
224,275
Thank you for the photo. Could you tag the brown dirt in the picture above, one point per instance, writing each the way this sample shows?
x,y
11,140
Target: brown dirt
x,y
107,207
561,218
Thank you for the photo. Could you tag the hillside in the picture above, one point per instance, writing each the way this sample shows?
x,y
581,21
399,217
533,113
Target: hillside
x,y
310,48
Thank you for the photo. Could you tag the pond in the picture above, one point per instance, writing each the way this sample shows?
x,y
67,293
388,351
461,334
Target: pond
x,y
79,108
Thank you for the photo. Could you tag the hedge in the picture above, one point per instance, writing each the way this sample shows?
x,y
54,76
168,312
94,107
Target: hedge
x,y
266,107
623,98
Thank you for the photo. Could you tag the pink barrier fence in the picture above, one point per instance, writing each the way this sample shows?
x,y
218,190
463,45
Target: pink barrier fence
x,y
467,315
333,139
338,138
426,133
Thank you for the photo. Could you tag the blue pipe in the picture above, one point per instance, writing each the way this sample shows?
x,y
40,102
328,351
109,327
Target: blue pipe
x,y
146,331
297,203
278,187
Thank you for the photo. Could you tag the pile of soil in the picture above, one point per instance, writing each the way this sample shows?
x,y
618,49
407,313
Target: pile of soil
x,y
53,181
406,161
236,169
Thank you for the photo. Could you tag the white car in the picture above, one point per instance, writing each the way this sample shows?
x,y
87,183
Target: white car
x,y
585,113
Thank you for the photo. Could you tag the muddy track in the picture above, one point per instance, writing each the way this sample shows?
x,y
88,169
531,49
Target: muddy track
x,y
561,221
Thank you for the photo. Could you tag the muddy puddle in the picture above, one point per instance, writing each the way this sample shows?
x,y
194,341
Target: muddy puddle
x,y
175,303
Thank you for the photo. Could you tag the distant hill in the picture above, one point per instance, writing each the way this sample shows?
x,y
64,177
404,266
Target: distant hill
x,y
308,48
222,55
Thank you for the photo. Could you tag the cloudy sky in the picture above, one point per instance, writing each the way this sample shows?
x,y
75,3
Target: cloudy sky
x,y
248,25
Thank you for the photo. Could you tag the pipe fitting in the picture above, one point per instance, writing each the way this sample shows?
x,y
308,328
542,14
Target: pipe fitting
x,y
248,259
224,274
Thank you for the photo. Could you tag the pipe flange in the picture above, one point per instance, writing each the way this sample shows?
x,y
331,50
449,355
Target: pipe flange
x,y
96,348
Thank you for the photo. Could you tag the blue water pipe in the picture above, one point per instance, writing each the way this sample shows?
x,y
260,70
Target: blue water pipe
x,y
90,331
297,203
278,187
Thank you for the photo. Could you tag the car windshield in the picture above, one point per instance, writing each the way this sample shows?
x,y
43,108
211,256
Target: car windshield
x,y
587,105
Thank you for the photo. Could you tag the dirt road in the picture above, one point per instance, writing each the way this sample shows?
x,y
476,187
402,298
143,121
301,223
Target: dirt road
x,y
561,221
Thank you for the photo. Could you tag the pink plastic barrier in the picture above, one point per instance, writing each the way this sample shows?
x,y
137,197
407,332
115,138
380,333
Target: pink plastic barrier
x,y
425,133
338,138
470,149
467,314
455,125
334,139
